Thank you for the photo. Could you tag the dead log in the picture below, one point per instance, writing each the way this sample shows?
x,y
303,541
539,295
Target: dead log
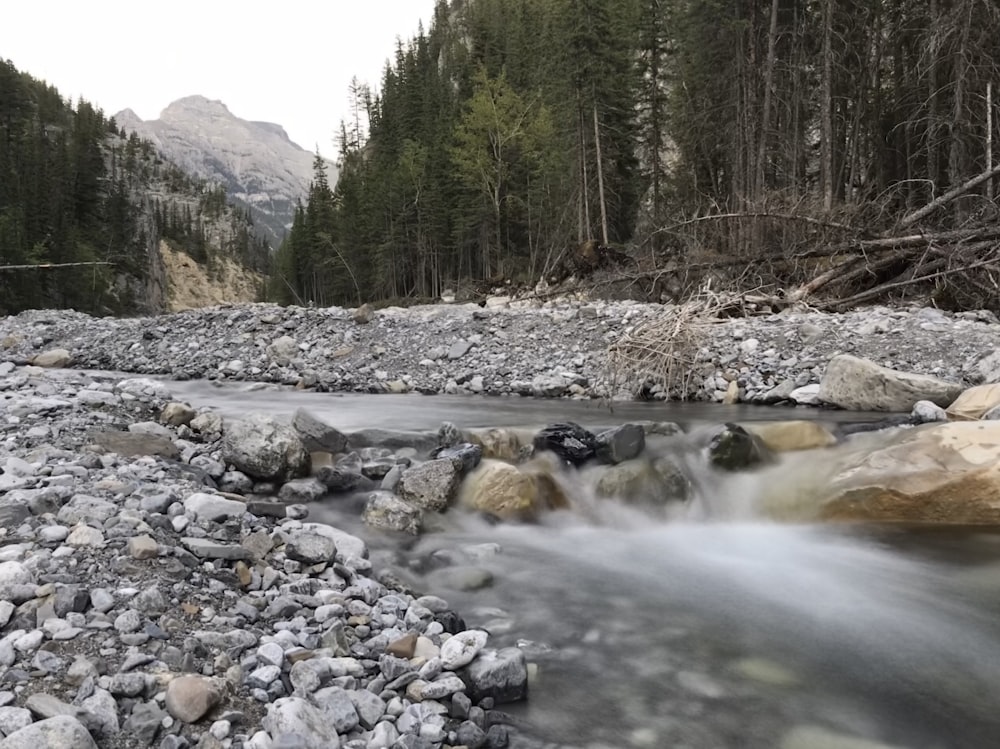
x,y
949,196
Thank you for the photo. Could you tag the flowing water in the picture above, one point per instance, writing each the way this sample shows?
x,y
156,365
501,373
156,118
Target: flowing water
x,y
710,628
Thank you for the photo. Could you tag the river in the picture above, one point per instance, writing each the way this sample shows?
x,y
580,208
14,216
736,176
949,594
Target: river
x,y
698,634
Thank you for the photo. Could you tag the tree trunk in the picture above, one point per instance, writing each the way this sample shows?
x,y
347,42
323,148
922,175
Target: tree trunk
x,y
826,109
600,178
765,114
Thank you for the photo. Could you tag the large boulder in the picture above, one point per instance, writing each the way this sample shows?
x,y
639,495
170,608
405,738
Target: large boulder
x,y
945,473
643,481
500,443
860,385
975,402
569,441
263,448
387,512
502,490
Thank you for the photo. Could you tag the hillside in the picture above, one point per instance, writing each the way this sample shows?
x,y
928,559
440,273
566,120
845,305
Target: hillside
x,y
84,209
256,162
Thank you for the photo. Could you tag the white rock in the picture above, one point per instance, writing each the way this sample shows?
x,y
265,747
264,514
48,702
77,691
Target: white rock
x,y
460,649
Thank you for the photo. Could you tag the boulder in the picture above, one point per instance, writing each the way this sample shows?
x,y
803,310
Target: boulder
x,y
784,436
569,441
502,444
502,490
945,473
431,485
860,385
282,350
500,674
621,443
317,435
177,414
385,511
56,358
264,449
975,402
733,448
643,481
63,731
465,455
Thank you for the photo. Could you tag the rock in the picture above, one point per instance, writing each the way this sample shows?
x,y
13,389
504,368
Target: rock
x,y
189,698
310,547
501,444
807,395
643,481
975,402
387,512
569,441
264,449
62,731
336,704
501,490
177,414
363,314
302,490
861,385
621,443
143,547
207,423
498,674
282,350
460,649
341,479
214,508
394,439
465,455
132,444
295,717
431,485
56,358
784,436
733,448
925,412
931,474
318,436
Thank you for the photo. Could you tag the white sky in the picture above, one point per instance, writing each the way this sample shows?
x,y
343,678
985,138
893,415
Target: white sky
x,y
283,61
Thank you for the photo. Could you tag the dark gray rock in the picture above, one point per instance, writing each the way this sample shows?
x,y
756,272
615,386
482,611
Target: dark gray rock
x,y
317,435
733,448
569,441
621,443
501,675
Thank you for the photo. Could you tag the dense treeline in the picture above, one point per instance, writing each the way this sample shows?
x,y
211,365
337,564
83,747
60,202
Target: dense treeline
x,y
511,130
74,189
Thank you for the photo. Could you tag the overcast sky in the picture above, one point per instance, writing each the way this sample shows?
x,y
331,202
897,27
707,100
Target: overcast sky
x,y
283,61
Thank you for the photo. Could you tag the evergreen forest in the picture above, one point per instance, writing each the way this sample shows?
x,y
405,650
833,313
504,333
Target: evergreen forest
x,y
83,207
758,143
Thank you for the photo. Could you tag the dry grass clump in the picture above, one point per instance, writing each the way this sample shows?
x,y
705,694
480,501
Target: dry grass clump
x,y
664,350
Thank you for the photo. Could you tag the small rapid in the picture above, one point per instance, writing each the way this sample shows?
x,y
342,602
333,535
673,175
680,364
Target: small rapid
x,y
701,625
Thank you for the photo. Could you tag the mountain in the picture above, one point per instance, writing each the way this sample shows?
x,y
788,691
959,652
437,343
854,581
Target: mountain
x,y
256,162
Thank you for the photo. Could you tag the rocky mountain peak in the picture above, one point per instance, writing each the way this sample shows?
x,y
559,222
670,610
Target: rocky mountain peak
x,y
257,163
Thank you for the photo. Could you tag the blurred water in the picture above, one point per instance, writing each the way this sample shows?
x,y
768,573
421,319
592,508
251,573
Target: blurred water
x,y
704,627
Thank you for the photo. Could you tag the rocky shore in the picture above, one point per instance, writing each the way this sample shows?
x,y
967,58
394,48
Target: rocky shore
x,y
162,583
507,347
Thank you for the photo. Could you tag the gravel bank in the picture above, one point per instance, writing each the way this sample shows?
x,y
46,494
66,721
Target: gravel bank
x,y
548,350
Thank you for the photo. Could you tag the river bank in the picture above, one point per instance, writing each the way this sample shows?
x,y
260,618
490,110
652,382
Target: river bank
x,y
526,348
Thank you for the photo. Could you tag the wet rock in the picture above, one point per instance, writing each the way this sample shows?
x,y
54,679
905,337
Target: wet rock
x,y
386,511
431,485
421,442
785,436
501,490
621,443
465,455
569,441
733,448
316,434
501,444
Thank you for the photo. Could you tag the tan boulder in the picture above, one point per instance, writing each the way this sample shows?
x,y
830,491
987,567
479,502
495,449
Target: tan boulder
x,y
502,490
944,473
642,480
975,402
784,436
500,444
